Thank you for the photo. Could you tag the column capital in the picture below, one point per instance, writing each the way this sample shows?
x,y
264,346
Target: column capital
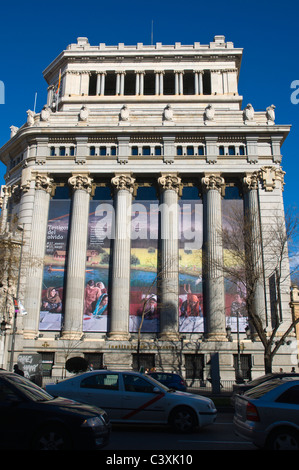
x,y
123,181
213,181
44,183
269,175
250,181
170,181
83,182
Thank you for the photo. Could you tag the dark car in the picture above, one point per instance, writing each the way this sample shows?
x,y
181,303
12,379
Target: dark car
x,y
240,389
174,381
31,419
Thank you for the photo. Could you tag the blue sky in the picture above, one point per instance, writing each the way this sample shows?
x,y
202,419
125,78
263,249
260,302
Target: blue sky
x,y
33,33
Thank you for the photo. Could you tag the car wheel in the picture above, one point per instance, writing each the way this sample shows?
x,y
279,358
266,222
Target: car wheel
x,y
51,438
283,439
183,419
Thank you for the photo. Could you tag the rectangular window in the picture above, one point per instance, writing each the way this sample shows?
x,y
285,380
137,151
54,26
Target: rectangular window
x,y
179,150
134,150
194,364
146,150
103,151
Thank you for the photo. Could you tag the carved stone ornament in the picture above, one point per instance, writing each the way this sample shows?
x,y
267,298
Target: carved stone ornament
x,y
124,113
269,175
44,183
214,182
251,180
172,182
45,113
30,117
13,131
84,113
168,113
82,182
270,113
248,113
209,114
125,182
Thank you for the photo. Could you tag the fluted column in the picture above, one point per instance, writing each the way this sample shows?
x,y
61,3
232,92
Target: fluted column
x,y
213,258
170,185
253,243
43,189
120,296
76,264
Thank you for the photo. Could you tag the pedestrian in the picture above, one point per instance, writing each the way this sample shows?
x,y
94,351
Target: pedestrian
x,y
17,370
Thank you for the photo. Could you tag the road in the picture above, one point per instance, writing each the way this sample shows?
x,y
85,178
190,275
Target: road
x,y
219,436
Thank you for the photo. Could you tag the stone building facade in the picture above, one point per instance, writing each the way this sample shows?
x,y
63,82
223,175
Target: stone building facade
x,y
120,186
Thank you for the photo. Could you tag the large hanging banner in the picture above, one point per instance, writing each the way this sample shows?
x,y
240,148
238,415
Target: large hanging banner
x,y
234,284
144,303
191,315
51,309
98,257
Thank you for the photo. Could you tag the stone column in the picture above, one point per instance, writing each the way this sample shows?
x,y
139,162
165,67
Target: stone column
x,y
120,295
170,185
76,265
254,244
214,304
43,190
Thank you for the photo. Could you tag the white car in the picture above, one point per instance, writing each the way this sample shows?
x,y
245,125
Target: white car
x,y
136,398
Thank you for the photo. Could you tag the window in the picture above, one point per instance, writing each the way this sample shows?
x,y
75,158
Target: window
x,y
134,150
201,150
110,84
169,83
146,150
149,84
188,83
103,151
92,151
92,84
158,150
241,150
231,150
194,364
52,151
179,150
190,150
146,361
133,383
72,151
206,82
221,150
62,151
130,83
290,396
94,360
101,382
113,151
245,365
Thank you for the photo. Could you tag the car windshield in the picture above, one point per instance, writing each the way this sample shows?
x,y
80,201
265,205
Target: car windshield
x,y
29,389
259,380
260,390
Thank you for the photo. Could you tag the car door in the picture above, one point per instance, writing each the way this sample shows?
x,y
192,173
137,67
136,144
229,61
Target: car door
x,y
143,401
102,390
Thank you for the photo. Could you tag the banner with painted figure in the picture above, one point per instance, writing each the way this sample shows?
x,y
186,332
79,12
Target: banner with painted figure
x,y
51,309
98,257
144,302
234,274
191,315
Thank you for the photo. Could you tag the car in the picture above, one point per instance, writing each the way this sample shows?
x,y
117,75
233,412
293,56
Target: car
x,y
242,388
32,419
133,397
171,380
268,414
